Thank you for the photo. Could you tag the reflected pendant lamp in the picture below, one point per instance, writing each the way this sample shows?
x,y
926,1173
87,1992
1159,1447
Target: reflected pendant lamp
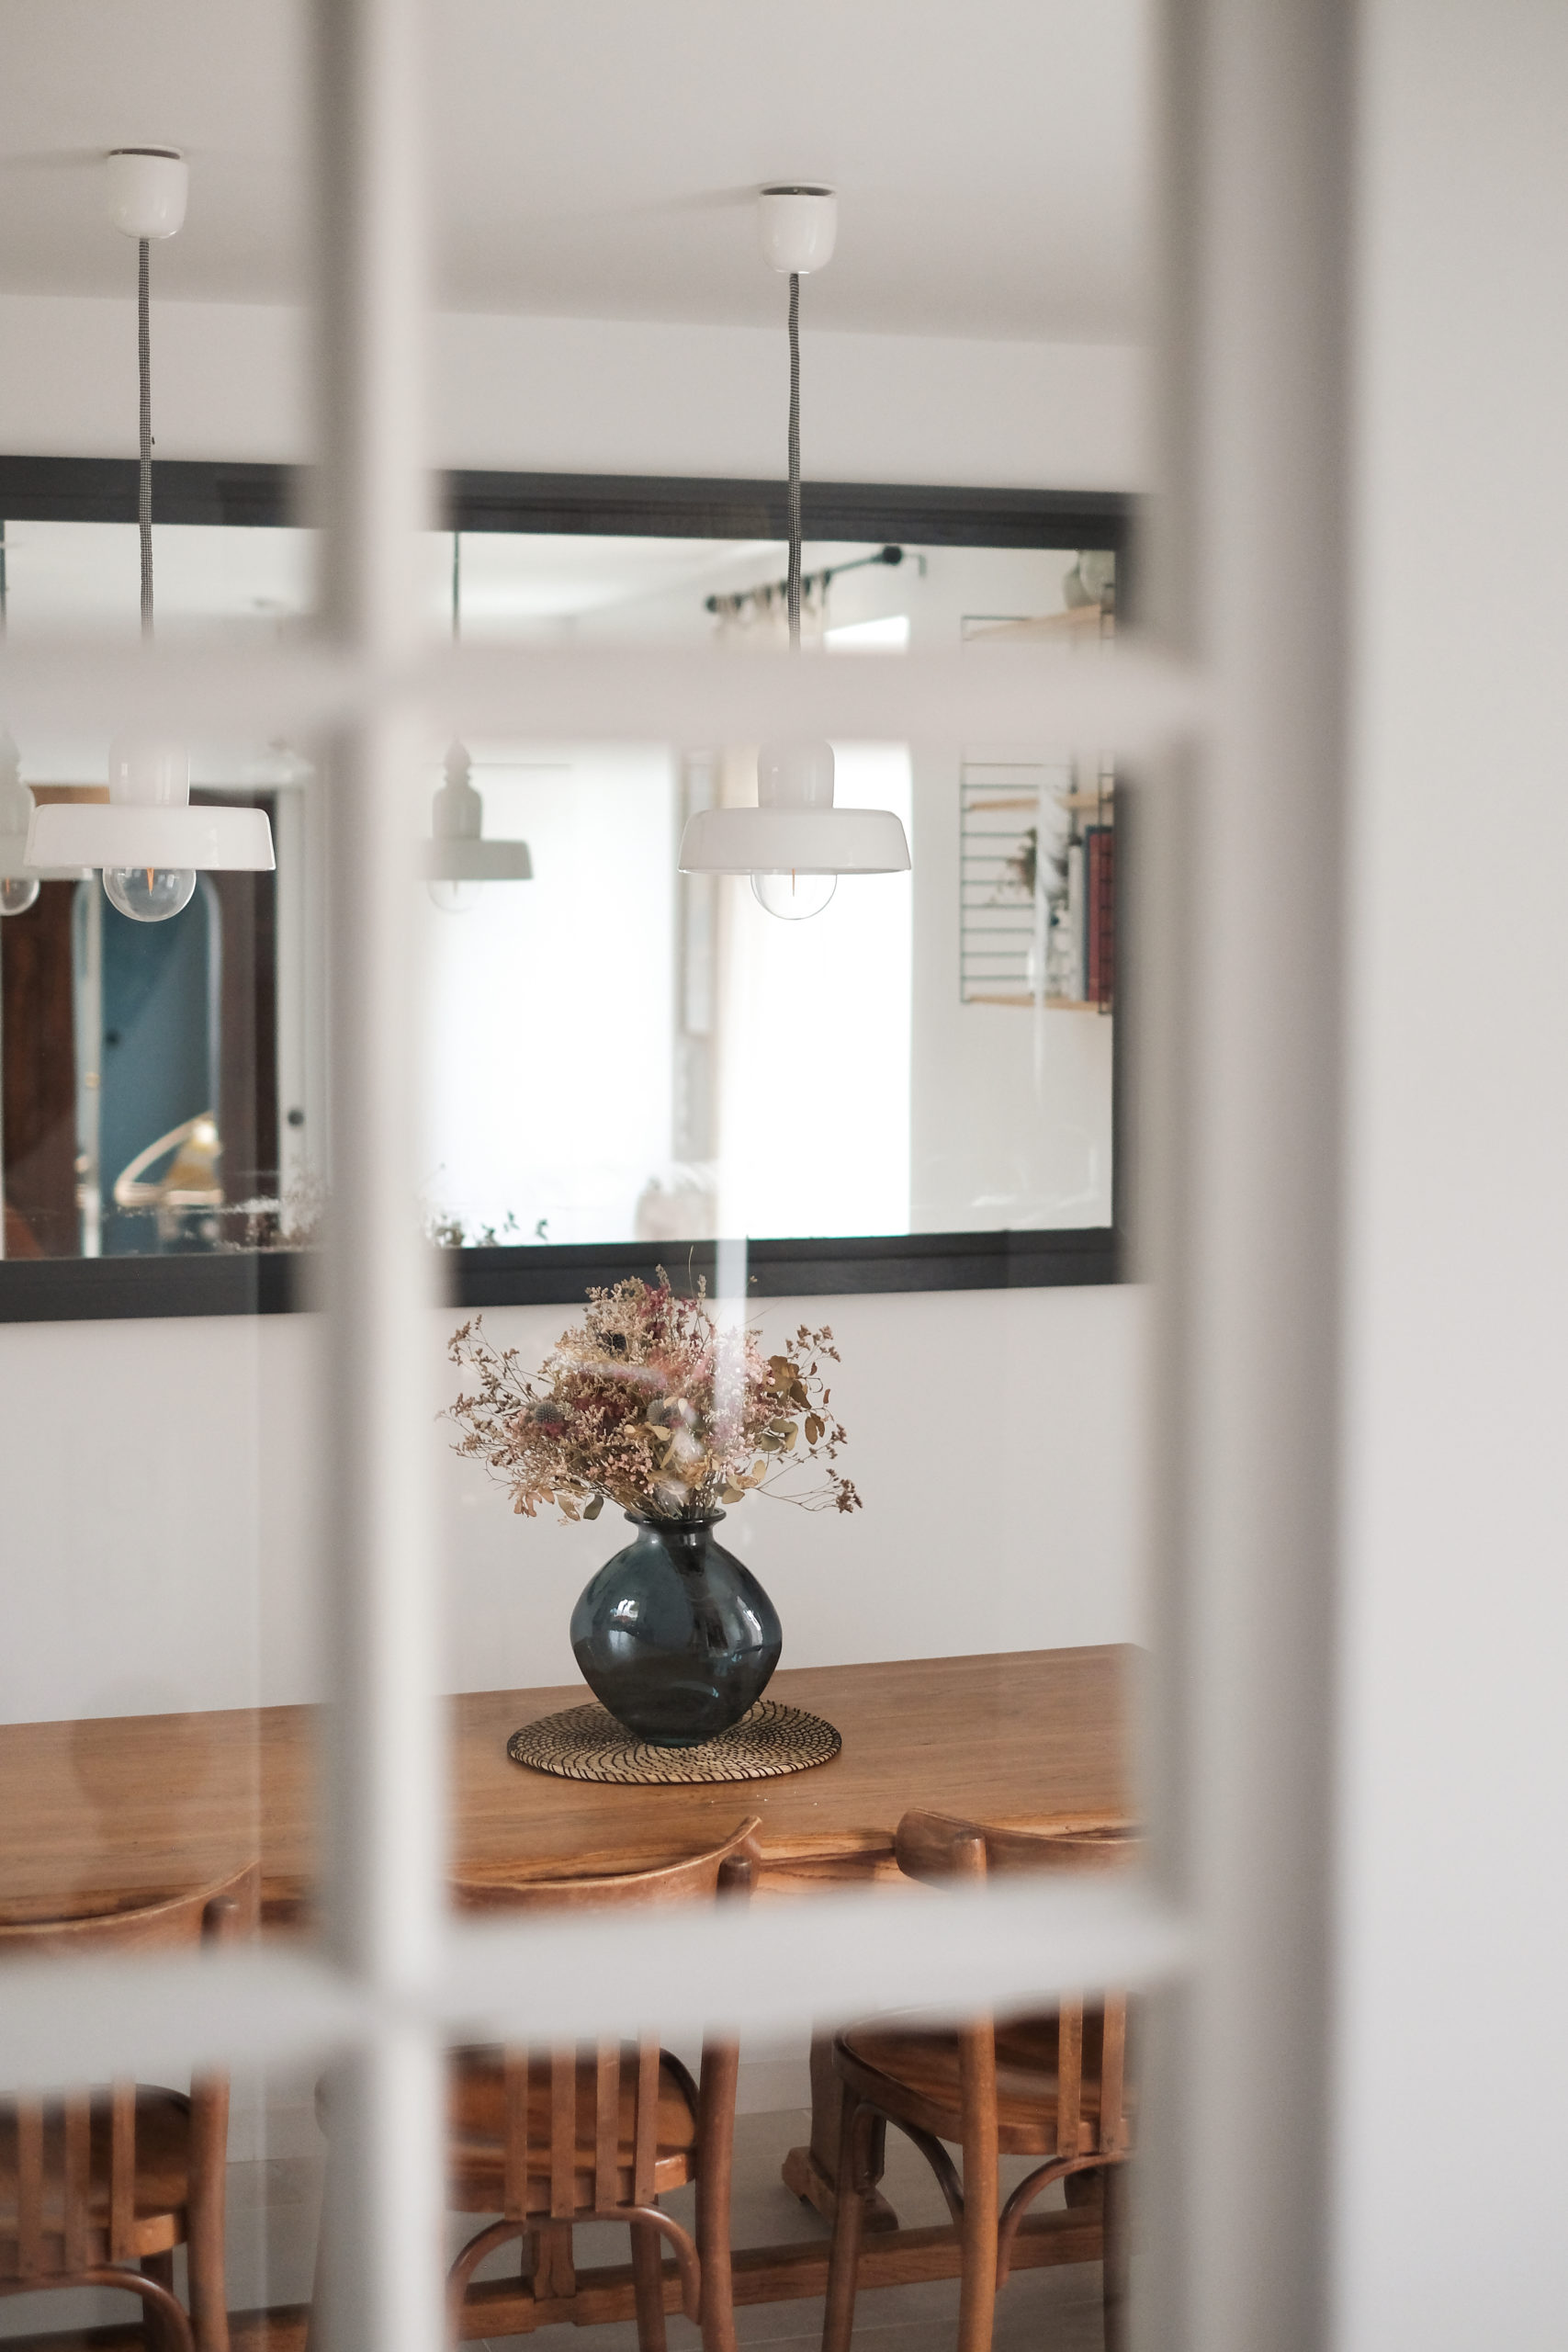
x,y
459,856
147,840
795,843
19,881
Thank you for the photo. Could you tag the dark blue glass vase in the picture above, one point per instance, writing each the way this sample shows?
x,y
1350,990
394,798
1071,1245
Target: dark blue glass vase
x,y
674,1636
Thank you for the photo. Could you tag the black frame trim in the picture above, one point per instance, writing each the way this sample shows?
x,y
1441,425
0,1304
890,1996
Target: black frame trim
x,y
93,1290
104,489
283,1281
1010,1260
256,496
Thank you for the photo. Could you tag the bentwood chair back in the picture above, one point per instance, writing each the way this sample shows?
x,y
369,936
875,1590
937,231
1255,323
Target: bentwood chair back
x,y
1054,2085
549,2138
98,2187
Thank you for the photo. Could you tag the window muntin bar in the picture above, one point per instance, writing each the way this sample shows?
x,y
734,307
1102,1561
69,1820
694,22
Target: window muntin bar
x,y
1006,693
383,1797
559,1977
1240,1157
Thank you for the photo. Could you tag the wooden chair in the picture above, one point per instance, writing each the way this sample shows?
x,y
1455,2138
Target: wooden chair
x,y
1053,2085
98,2187
551,2139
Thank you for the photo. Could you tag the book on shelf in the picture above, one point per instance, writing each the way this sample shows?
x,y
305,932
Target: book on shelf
x,y
1070,981
1100,915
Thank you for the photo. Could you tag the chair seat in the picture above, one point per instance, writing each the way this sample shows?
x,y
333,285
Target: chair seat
x,y
162,2186
911,2072
478,2108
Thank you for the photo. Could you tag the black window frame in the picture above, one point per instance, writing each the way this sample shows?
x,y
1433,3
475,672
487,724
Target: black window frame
x,y
257,495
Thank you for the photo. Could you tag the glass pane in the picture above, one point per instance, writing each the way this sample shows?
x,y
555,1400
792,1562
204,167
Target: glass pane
x,y
159,1464
161,1097
713,1513
641,1066
951,1030
215,583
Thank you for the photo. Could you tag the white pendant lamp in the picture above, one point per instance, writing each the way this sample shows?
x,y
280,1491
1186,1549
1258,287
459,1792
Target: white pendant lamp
x,y
795,843
147,839
460,858
19,882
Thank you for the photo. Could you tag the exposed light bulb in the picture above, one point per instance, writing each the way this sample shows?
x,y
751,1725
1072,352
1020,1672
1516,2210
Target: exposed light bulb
x,y
454,898
149,893
157,775
793,896
18,890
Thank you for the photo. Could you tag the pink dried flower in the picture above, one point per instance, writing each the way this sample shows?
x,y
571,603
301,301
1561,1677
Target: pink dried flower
x,y
650,1405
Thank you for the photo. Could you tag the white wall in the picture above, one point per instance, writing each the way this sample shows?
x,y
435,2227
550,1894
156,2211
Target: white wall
x,y
1452,2169
993,1438
526,1005
161,1478
583,395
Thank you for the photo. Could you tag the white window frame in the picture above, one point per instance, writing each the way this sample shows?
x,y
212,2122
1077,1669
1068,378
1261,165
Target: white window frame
x,y
1234,720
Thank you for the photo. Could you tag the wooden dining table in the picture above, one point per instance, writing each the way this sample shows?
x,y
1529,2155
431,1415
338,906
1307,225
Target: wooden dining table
x,y
104,1812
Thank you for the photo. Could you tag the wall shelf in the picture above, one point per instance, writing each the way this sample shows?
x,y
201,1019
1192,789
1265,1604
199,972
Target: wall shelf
x,y
1047,1003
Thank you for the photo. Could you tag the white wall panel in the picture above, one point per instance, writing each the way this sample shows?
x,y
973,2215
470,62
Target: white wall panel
x,y
162,1503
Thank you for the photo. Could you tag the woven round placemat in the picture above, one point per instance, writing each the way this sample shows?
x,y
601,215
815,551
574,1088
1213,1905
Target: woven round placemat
x,y
588,1744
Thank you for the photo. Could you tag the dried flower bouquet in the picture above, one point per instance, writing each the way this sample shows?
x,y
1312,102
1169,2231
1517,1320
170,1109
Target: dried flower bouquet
x,y
653,1405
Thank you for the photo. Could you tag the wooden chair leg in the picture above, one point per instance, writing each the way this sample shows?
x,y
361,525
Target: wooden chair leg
x,y
977,2230
206,2288
715,2159
647,2282
977,2280
1114,2227
554,2266
314,2328
859,2133
160,2268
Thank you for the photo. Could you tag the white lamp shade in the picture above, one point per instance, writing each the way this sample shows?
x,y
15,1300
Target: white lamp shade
x,y
145,190
91,833
458,852
14,865
458,858
798,228
793,840
16,805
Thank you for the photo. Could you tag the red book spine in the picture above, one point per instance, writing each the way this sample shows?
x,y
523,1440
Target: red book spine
x,y
1099,889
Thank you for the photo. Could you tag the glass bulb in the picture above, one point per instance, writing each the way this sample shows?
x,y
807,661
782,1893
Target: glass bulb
x,y
149,893
793,897
17,893
454,898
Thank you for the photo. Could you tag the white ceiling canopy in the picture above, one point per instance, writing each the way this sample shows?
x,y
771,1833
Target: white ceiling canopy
x,y
599,158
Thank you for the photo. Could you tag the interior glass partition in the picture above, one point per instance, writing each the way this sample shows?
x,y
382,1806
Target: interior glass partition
x,y
384,1977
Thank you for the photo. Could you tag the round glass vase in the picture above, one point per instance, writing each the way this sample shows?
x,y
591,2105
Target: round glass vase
x,y
674,1636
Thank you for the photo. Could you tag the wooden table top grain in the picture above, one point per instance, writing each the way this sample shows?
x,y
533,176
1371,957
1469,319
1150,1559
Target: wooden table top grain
x,y
114,1810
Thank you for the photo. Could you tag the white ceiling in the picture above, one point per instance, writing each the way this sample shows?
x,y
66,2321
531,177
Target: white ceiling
x,y
594,158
